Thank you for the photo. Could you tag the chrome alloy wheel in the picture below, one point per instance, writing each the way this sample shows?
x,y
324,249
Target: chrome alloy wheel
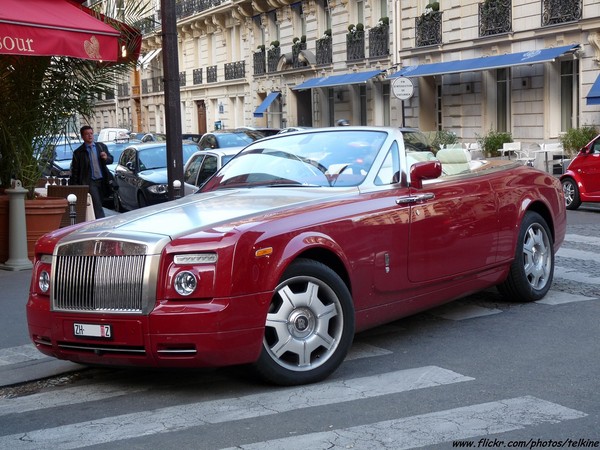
x,y
304,324
537,256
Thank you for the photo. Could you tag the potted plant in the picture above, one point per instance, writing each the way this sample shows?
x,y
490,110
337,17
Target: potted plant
x,y
492,142
40,97
576,138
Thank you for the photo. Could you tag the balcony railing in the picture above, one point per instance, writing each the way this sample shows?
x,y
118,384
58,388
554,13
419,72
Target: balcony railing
x,y
182,79
260,64
561,11
273,55
324,51
197,76
211,74
495,17
355,45
235,70
187,8
379,41
296,49
428,29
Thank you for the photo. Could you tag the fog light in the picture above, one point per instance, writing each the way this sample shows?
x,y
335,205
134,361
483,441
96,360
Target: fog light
x,y
44,281
185,283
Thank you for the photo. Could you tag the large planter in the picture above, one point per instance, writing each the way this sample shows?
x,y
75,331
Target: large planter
x,y
42,215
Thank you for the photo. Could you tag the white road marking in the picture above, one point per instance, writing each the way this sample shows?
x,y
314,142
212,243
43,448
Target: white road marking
x,y
360,350
458,311
579,239
430,429
558,298
575,275
584,255
275,401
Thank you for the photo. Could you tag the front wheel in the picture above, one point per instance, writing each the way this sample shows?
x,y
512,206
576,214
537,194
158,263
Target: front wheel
x,y
571,191
532,270
309,326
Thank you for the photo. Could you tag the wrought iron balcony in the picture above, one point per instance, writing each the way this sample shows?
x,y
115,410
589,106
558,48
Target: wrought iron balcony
x,y
273,55
495,17
324,51
561,11
260,65
428,29
211,74
197,76
154,84
296,49
379,41
235,70
355,45
187,8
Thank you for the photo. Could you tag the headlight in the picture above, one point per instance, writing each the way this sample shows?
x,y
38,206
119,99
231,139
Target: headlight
x,y
44,281
185,283
158,189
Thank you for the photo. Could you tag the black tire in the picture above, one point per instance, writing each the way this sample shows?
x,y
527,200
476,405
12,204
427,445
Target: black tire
x,y
571,191
142,202
117,206
531,273
309,326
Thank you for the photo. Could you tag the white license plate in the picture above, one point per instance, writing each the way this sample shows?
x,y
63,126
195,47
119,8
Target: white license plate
x,y
92,330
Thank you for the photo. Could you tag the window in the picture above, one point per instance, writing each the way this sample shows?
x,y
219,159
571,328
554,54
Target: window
x,y
502,100
569,95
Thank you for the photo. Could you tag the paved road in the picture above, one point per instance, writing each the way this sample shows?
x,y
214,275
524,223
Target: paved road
x,y
479,372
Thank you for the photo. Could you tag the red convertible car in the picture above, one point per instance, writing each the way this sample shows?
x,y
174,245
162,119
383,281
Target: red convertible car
x,y
581,180
297,243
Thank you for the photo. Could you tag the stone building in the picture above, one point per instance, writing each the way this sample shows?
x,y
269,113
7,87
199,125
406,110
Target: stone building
x,y
527,67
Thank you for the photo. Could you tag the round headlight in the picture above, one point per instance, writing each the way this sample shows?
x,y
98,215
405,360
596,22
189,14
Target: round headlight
x,y
185,283
44,281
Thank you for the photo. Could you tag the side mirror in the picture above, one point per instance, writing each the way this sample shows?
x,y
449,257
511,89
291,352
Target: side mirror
x,y
424,170
130,166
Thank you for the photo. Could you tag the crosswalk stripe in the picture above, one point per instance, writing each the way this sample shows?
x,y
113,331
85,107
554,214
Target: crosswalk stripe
x,y
177,418
575,275
580,239
577,254
434,428
558,298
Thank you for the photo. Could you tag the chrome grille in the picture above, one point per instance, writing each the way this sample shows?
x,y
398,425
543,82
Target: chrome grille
x,y
87,281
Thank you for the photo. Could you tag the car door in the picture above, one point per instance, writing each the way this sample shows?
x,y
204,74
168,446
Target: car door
x,y
191,173
589,170
453,228
125,174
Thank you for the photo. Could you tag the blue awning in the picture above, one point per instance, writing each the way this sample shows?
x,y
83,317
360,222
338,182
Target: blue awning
x,y
338,80
485,62
593,97
262,108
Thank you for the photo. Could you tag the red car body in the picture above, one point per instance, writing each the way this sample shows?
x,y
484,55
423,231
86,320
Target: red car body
x,y
581,180
282,275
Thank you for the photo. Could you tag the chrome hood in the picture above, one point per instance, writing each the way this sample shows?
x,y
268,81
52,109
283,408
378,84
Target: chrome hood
x,y
157,225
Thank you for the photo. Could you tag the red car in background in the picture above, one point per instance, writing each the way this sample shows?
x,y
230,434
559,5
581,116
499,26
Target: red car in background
x,y
581,181
299,241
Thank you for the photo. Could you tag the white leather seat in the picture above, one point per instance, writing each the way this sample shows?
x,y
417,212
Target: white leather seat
x,y
454,160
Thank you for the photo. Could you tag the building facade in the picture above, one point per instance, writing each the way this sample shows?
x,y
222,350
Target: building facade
x,y
526,67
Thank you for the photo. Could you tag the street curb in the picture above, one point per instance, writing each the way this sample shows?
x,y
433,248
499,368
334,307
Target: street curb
x,y
38,369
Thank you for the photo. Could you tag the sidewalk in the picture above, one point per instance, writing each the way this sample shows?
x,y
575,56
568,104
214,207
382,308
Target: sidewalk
x,y
15,345
14,336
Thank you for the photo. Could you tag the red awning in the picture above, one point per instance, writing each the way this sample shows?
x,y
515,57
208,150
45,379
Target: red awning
x,y
55,28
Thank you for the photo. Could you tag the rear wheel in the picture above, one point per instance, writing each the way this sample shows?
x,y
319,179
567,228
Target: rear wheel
x,y
531,273
309,326
571,191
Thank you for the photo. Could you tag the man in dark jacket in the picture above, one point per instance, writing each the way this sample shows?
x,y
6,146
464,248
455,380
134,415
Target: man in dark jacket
x,y
89,167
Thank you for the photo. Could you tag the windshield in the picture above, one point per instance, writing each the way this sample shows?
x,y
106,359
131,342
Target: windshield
x,y
320,159
156,157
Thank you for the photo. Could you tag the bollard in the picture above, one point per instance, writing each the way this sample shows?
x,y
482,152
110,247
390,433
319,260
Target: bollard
x,y
72,199
177,187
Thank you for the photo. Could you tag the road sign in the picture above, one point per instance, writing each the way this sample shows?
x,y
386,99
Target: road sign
x,y
402,88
